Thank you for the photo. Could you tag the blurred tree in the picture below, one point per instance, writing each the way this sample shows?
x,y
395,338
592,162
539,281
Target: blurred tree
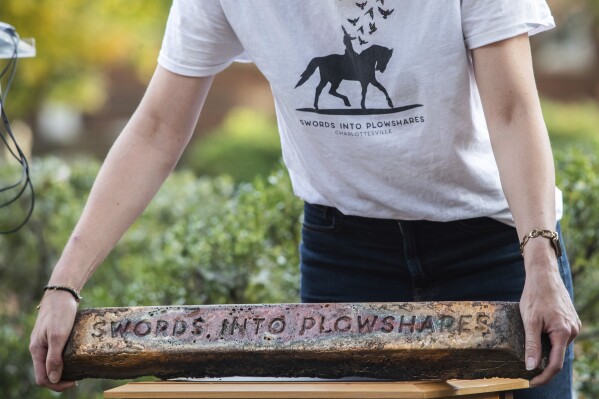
x,y
593,7
77,42
562,6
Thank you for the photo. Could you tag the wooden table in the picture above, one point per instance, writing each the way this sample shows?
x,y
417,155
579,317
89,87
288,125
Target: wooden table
x,y
495,388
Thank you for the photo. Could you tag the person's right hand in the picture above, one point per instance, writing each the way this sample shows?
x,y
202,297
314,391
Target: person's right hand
x,y
52,328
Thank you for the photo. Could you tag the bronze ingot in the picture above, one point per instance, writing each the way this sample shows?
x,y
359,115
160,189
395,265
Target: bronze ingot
x,y
398,341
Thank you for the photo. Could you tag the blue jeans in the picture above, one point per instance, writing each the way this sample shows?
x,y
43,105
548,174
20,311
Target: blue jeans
x,y
356,259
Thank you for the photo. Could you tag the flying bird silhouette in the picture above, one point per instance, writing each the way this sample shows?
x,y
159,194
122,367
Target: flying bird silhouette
x,y
372,27
382,2
361,41
353,21
371,12
361,29
385,13
362,5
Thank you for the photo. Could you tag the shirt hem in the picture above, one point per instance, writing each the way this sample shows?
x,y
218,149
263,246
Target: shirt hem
x,y
532,28
195,71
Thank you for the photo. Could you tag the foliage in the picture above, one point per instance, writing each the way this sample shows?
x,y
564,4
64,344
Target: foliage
x,y
200,241
76,43
593,6
244,146
572,123
578,177
587,369
213,240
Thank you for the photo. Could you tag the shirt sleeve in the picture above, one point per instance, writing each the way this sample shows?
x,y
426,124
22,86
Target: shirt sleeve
x,y
198,40
489,21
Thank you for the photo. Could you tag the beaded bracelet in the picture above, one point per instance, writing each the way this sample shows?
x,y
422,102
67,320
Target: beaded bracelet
x,y
66,288
551,235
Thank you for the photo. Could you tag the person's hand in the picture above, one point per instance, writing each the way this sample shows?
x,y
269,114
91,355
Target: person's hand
x,y
546,307
52,328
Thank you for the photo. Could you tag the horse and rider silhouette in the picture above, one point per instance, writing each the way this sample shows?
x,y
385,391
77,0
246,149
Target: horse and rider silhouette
x,y
360,67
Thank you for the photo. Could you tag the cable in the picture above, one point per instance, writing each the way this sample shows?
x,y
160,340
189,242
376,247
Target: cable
x,y
25,180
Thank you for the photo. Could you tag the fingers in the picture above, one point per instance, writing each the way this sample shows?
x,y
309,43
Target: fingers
x,y
546,307
575,330
56,343
39,351
48,340
38,355
533,347
62,386
559,342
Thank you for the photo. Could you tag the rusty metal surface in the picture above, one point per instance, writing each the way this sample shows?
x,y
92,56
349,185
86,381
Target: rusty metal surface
x,y
400,341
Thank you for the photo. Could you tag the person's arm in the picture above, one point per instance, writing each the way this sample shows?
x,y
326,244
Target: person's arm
x,y
136,166
522,150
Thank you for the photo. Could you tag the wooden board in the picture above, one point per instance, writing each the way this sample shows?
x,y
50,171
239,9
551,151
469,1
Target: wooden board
x,y
472,389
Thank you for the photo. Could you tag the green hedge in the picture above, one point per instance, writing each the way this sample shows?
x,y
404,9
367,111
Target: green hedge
x,y
572,123
209,240
244,146
578,177
200,241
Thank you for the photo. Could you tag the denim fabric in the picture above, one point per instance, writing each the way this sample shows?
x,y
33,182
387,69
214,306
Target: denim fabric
x,y
356,259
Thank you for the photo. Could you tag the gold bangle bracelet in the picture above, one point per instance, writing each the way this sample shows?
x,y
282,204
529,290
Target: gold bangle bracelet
x,y
550,235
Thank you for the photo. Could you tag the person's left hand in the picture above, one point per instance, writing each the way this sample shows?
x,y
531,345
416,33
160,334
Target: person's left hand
x,y
546,307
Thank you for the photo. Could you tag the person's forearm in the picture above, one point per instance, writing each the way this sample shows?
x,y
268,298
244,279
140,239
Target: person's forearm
x,y
523,155
140,160
521,147
136,166
519,138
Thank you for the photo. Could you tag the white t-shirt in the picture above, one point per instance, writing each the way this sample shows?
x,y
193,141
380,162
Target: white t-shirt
x,y
415,145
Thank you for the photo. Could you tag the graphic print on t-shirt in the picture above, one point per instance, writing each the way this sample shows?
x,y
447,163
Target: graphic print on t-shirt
x,y
353,66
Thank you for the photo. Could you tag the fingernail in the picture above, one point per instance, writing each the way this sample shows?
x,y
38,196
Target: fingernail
x,y
530,363
53,377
